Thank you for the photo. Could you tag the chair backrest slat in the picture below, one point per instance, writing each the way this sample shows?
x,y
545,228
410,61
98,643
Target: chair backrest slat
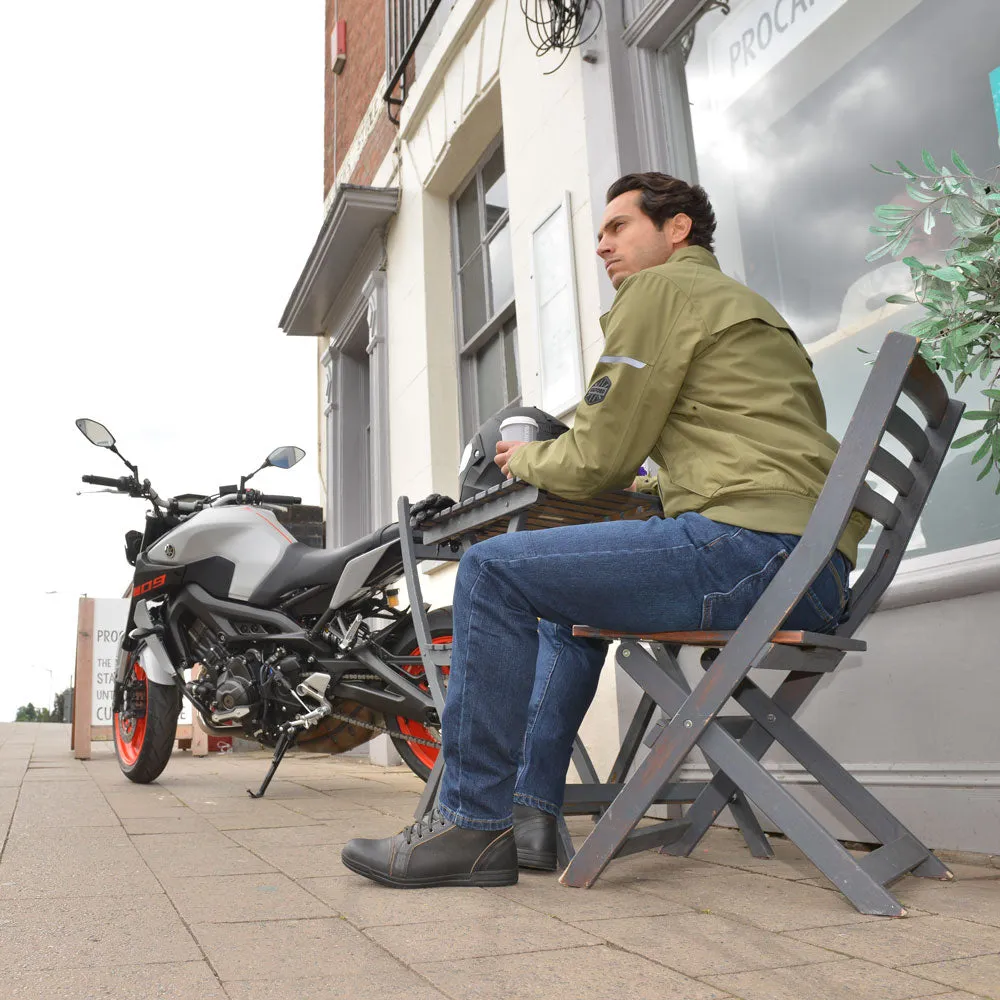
x,y
927,390
908,433
876,506
886,466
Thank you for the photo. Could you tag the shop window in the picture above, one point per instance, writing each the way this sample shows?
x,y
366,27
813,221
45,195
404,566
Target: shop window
x,y
790,102
484,289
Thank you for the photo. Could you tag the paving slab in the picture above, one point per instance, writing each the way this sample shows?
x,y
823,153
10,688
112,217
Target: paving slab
x,y
978,900
366,904
449,940
187,855
401,985
848,980
169,981
298,949
703,944
907,942
771,903
579,972
366,822
979,975
62,804
541,892
92,932
54,868
236,898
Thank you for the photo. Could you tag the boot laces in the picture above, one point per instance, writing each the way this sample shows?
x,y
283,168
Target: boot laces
x,y
428,824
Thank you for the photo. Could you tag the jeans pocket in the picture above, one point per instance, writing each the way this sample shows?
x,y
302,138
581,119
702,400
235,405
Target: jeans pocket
x,y
726,610
822,606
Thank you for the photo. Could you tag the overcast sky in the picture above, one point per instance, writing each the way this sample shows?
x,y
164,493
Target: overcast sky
x,y
160,188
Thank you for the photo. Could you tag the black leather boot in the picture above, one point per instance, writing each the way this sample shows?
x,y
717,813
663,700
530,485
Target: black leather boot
x,y
435,852
536,835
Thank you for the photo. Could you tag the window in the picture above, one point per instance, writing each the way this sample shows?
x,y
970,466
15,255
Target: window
x,y
484,288
357,450
790,102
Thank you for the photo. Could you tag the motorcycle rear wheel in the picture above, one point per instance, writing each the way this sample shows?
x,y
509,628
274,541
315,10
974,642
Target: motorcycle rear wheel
x,y
417,757
143,745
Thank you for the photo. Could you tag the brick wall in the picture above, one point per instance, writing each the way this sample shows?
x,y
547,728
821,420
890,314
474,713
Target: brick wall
x,y
349,94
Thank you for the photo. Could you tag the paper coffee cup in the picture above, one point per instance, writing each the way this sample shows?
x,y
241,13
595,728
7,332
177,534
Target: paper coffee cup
x,y
519,429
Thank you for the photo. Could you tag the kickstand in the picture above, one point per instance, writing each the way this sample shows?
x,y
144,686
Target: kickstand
x,y
285,740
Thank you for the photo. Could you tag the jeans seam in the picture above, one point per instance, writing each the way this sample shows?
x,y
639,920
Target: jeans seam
x,y
536,803
459,818
529,729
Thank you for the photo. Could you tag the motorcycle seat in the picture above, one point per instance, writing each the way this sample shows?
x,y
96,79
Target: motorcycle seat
x,y
302,565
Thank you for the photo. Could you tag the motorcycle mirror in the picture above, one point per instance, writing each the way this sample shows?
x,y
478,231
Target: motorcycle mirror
x,y
95,433
285,458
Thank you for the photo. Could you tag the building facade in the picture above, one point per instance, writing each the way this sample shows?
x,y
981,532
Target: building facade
x,y
455,273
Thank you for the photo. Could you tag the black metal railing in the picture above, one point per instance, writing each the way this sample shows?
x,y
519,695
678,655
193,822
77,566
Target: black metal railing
x,y
405,24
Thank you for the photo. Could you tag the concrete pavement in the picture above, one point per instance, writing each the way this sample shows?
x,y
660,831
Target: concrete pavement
x,y
188,888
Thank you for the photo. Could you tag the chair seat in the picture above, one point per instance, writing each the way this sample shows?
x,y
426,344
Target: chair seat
x,y
805,640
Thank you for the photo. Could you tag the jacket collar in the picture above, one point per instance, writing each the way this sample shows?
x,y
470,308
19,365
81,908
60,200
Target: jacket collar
x,y
694,255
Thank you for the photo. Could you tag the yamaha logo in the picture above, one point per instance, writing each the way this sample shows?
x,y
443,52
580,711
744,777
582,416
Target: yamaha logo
x,y
169,551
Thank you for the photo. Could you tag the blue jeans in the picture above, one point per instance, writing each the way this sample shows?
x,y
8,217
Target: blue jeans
x,y
520,683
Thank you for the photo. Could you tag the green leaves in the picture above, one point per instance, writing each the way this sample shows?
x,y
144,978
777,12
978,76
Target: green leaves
x,y
960,329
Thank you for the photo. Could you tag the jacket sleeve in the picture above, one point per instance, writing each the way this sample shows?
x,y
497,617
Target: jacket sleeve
x,y
652,333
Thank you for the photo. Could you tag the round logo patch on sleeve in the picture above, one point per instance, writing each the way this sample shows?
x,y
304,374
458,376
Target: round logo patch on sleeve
x,y
597,392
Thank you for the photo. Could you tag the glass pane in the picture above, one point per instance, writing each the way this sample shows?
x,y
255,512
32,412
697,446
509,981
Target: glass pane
x,y
787,118
467,209
510,363
501,269
495,186
489,379
472,287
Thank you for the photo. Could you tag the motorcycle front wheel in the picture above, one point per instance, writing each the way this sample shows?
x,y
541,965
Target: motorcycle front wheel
x,y
418,757
145,727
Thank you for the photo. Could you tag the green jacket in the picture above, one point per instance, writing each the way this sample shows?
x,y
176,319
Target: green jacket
x,y
705,377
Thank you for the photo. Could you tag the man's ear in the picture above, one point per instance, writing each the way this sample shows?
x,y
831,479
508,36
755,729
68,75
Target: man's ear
x,y
680,228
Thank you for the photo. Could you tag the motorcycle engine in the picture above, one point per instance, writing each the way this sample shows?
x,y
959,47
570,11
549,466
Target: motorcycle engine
x,y
231,684
251,691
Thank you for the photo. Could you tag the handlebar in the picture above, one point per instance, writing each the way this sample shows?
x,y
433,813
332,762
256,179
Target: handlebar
x,y
115,484
278,498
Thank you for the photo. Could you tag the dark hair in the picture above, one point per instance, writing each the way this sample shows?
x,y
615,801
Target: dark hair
x,y
664,196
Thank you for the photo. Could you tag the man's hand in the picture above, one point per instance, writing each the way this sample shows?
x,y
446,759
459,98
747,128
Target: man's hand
x,y
504,451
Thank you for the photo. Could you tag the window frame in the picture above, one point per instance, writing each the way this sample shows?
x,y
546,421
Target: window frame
x,y
467,347
664,138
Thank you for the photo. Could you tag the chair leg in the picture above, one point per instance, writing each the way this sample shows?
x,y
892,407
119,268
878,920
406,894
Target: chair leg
x,y
633,739
743,770
825,851
746,821
429,797
583,763
830,774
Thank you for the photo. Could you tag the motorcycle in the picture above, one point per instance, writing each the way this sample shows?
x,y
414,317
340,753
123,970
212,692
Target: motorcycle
x,y
266,637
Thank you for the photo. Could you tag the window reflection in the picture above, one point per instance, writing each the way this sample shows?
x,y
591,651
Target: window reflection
x,y
785,156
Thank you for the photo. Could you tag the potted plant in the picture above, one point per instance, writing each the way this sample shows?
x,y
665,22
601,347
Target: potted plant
x,y
960,330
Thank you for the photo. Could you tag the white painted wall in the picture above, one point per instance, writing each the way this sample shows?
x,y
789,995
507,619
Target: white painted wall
x,y
480,77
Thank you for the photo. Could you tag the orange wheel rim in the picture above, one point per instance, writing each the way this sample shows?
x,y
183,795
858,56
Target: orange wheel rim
x,y
410,727
131,733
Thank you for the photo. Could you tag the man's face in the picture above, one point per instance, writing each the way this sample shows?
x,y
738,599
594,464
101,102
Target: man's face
x,y
629,241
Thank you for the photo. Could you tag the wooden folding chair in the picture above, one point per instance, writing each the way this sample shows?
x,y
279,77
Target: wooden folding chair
x,y
734,746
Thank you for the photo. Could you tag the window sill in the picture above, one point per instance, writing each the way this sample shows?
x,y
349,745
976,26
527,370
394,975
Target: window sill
x,y
944,576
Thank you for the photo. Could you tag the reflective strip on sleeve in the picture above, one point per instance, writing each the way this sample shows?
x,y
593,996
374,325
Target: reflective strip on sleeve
x,y
616,360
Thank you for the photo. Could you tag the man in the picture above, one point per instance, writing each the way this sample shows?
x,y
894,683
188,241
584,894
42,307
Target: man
x,y
707,378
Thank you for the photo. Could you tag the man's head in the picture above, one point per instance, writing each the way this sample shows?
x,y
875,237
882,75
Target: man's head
x,y
647,218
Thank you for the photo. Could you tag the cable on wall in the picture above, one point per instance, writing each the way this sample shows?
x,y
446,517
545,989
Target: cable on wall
x,y
558,24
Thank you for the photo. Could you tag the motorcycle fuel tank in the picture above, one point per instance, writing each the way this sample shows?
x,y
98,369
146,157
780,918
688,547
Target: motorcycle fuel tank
x,y
248,537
